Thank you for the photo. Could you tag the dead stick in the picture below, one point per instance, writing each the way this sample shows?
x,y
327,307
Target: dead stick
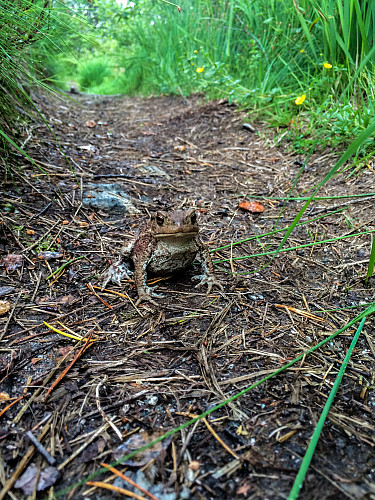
x,y
213,432
81,448
128,493
64,372
40,448
10,405
218,438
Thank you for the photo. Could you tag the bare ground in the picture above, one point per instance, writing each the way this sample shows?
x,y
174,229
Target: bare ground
x,y
152,369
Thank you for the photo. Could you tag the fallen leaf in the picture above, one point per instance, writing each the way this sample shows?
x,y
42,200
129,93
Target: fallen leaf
x,y
27,481
4,396
12,261
251,206
137,441
93,450
4,307
90,124
47,478
63,300
30,232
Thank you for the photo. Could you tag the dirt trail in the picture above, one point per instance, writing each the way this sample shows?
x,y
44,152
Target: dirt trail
x,y
152,369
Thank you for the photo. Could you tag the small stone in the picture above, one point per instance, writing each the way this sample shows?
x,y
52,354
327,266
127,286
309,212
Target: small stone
x,y
185,493
194,465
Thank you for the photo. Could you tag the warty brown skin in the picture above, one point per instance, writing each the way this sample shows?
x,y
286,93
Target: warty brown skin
x,y
168,243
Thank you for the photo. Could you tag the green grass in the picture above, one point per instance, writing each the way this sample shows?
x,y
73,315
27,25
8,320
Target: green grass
x,y
93,73
260,54
25,26
294,492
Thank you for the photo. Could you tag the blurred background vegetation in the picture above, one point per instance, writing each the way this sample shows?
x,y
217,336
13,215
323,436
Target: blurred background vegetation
x,y
305,67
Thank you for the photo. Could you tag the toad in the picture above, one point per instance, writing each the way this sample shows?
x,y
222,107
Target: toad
x,y
167,244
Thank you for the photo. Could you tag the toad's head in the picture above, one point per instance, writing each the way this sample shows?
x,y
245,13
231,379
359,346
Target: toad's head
x,y
178,223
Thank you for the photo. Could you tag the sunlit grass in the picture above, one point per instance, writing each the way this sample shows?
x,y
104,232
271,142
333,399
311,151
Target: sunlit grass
x,y
93,73
306,67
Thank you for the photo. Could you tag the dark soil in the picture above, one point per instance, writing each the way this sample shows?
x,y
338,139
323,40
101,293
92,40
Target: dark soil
x,y
152,369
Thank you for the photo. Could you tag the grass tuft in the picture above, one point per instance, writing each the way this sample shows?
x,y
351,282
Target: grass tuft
x,y
93,73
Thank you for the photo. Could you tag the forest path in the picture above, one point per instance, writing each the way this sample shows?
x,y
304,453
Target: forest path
x,y
152,368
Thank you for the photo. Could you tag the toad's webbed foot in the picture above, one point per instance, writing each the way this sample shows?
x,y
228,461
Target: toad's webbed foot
x,y
145,294
115,273
210,280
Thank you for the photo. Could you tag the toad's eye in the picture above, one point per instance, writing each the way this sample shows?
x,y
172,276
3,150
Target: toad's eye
x,y
159,219
193,218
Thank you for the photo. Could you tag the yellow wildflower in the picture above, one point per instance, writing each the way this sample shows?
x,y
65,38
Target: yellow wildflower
x,y
302,51
200,70
195,52
300,99
327,65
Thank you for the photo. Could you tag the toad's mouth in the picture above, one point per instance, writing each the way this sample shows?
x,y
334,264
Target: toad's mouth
x,y
177,234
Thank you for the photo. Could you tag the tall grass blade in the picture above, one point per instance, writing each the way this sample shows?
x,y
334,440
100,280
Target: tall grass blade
x,y
371,263
7,138
315,438
305,28
297,247
230,25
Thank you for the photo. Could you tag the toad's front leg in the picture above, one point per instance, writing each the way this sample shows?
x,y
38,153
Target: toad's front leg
x,y
208,276
141,261
119,269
